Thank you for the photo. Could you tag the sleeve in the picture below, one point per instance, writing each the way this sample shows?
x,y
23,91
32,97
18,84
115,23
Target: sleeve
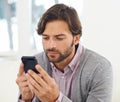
x,y
60,98
101,84
20,100
66,99
63,98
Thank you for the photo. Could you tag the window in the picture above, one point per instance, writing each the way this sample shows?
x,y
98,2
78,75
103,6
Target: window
x,y
18,21
8,26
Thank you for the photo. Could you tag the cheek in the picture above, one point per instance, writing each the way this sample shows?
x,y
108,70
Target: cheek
x,y
68,43
65,45
44,44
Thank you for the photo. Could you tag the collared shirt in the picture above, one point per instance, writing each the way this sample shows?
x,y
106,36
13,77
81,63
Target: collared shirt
x,y
65,80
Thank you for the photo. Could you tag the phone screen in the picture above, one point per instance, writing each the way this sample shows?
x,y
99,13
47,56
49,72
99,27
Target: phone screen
x,y
29,63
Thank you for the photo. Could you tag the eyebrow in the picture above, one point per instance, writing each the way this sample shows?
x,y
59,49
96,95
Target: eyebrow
x,y
55,35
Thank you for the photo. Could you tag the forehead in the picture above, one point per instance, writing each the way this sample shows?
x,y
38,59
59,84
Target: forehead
x,y
57,27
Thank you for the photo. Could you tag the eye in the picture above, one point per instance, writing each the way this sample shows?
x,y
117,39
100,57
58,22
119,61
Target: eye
x,y
45,37
59,38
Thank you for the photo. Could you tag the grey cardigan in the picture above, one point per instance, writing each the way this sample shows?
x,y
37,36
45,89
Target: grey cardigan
x,y
94,82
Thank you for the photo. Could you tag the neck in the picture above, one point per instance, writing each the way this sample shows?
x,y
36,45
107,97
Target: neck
x,y
61,65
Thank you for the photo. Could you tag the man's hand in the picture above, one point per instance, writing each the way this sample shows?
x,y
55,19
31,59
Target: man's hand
x,y
22,83
43,85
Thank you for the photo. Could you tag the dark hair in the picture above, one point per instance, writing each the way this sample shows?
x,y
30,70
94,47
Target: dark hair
x,y
61,12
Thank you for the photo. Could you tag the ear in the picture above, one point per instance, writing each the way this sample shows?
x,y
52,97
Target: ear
x,y
76,39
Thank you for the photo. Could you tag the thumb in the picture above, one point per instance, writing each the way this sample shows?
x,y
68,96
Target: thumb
x,y
21,69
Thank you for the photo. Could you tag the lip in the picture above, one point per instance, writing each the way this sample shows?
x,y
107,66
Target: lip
x,y
52,53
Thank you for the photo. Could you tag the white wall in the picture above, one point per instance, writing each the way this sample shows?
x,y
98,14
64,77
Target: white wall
x,y
8,74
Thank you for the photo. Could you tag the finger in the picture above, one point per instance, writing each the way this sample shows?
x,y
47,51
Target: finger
x,y
21,69
26,89
33,88
44,74
23,84
21,78
37,78
33,84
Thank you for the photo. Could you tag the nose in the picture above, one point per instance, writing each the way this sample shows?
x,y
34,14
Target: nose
x,y
52,44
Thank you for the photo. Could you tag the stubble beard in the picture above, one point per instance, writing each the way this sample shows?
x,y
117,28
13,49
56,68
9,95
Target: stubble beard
x,y
62,56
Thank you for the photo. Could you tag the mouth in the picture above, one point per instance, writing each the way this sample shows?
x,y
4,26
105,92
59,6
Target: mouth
x,y
51,53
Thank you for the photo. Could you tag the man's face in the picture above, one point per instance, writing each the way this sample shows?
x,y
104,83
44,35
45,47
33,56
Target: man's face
x,y
58,42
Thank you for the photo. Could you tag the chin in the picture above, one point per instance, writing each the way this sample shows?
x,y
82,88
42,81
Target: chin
x,y
53,60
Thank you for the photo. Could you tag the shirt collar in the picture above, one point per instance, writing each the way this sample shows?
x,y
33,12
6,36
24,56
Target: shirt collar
x,y
76,58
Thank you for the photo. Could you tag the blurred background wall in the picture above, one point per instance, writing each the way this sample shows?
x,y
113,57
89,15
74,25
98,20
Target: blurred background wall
x,y
18,21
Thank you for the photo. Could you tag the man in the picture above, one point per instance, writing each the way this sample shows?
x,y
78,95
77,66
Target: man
x,y
68,72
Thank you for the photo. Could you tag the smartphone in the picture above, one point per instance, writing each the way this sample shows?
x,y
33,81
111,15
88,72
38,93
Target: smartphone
x,y
29,63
